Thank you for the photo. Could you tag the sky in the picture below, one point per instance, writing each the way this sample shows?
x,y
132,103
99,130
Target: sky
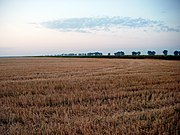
x,y
44,27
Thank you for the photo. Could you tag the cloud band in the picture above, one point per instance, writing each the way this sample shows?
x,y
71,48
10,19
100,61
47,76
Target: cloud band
x,y
106,23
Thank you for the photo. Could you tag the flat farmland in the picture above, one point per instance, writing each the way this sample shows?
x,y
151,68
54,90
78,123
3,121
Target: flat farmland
x,y
89,96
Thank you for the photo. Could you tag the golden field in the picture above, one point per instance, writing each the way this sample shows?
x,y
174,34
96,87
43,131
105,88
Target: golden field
x,y
88,96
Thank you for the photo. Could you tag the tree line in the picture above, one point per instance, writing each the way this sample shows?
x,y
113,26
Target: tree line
x,y
151,53
119,53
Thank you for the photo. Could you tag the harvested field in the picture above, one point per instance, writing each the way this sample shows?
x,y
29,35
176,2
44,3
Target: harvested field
x,y
89,96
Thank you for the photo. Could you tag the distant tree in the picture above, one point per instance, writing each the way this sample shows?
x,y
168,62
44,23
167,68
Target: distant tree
x,y
176,53
138,53
165,52
122,53
134,53
151,52
179,53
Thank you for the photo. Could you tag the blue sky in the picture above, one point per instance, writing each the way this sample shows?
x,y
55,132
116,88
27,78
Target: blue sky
x,y
37,27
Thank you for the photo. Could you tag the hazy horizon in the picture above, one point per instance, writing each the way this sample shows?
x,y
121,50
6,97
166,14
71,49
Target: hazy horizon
x,y
46,27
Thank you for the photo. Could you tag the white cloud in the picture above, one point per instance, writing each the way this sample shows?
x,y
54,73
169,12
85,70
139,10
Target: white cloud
x,y
107,23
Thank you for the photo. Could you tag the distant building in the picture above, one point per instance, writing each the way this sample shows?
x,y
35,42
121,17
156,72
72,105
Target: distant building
x,y
94,54
121,53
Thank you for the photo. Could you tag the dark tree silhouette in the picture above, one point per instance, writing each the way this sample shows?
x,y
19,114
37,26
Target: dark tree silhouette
x,y
176,53
151,52
165,52
134,53
121,53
